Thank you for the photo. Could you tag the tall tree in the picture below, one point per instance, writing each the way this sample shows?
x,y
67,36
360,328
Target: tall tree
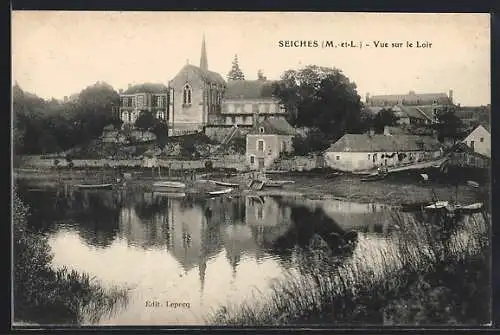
x,y
260,75
322,98
448,125
235,73
385,117
145,121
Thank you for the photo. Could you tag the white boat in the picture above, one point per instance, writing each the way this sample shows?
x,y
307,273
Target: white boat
x,y
95,186
472,208
223,183
438,205
168,184
219,192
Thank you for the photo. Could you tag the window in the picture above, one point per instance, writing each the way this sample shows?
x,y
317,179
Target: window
x,y
129,117
260,214
260,145
252,160
233,119
481,139
186,95
283,146
159,101
261,130
338,157
472,144
369,156
140,101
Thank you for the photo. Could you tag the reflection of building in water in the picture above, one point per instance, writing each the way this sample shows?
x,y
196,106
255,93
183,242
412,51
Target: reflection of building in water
x,y
268,219
238,240
367,217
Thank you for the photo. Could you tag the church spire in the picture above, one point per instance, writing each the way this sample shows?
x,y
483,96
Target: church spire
x,y
203,59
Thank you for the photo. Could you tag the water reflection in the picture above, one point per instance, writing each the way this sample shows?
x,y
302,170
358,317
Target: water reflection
x,y
203,251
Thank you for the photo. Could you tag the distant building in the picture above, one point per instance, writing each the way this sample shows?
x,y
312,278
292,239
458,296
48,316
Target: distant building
x,y
132,104
247,102
479,140
267,141
410,99
357,152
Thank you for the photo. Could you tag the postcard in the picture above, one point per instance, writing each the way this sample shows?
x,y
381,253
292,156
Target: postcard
x,y
251,169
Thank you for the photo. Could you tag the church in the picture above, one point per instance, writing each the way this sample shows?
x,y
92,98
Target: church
x,y
200,100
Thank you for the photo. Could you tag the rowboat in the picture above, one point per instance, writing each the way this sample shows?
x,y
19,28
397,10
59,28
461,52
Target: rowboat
x,y
473,183
472,208
168,184
437,205
223,183
220,192
95,186
277,183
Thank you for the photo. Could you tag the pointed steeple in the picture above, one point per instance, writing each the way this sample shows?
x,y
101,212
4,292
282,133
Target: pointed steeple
x,y
203,59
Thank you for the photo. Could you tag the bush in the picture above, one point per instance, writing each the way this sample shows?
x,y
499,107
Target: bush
x,y
44,295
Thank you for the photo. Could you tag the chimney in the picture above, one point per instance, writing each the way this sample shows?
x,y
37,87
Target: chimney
x,y
450,95
412,92
367,99
386,131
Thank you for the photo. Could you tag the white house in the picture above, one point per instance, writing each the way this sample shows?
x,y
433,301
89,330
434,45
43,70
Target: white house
x,y
479,140
358,152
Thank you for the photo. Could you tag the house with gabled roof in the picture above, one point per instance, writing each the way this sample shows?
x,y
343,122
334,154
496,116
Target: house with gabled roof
x,y
479,140
267,140
358,152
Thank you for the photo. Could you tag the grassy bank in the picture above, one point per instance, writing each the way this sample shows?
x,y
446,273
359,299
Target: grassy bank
x,y
44,295
427,274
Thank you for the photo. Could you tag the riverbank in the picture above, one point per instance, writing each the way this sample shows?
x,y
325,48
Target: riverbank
x,y
391,191
420,280
43,295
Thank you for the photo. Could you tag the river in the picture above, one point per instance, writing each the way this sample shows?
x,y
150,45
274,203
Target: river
x,y
182,258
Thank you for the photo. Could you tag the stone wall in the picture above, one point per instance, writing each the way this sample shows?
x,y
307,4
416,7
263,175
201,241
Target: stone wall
x,y
223,161
299,163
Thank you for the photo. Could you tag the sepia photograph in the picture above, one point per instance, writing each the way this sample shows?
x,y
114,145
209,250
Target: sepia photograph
x,y
250,169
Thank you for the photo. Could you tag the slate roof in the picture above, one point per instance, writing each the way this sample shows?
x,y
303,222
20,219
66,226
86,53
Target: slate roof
x,y
274,126
416,112
249,89
210,76
146,88
384,143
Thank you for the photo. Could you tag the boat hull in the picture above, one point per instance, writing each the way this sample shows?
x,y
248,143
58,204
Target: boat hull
x,y
94,186
220,192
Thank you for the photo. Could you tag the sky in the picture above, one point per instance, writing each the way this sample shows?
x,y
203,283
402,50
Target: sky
x,y
57,53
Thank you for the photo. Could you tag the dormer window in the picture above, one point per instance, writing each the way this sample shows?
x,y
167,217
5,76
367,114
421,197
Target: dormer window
x,y
261,130
186,95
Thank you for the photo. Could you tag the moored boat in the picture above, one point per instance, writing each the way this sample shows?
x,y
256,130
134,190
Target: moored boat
x,y
414,206
95,186
223,183
169,194
438,205
472,208
169,184
220,192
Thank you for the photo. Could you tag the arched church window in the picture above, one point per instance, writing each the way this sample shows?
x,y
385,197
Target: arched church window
x,y
187,94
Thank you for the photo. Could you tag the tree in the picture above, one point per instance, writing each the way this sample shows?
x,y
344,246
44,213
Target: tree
x,y
385,117
145,121
448,125
322,98
260,75
235,73
160,129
